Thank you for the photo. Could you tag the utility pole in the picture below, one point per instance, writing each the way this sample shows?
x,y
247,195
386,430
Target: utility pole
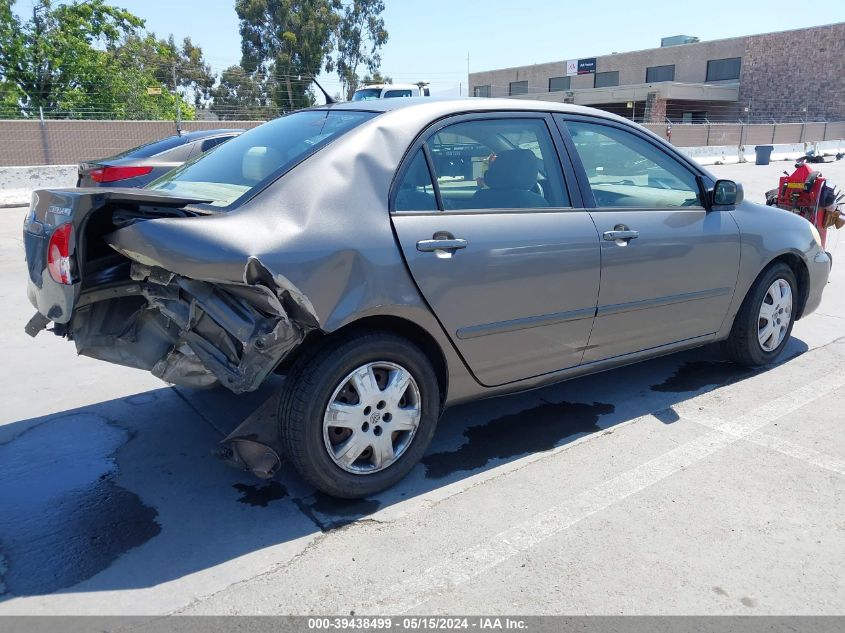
x,y
469,90
178,103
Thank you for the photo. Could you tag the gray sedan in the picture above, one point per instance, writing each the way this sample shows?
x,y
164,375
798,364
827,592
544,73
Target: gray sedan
x,y
395,257
141,165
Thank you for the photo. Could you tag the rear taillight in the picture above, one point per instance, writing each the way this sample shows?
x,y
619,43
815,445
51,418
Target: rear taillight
x,y
113,174
58,254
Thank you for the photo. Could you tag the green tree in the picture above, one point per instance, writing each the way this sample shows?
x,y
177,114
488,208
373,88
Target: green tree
x,y
376,78
143,61
360,37
194,76
90,59
59,54
290,38
243,96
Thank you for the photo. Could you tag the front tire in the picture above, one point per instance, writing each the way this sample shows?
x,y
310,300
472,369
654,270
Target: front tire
x,y
356,416
764,322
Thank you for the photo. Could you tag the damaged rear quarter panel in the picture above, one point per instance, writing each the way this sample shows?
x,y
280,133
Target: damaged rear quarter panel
x,y
321,233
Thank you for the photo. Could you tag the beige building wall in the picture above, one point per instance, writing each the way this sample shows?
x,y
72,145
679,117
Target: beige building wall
x,y
690,62
786,76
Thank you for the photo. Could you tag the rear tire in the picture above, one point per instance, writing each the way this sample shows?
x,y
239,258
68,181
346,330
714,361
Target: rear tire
x,y
764,322
388,425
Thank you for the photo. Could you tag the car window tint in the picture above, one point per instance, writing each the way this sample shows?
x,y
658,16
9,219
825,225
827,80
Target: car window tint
x,y
416,190
177,155
498,164
209,143
625,170
150,149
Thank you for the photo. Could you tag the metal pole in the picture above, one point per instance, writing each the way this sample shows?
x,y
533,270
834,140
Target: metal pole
x,y
178,104
45,140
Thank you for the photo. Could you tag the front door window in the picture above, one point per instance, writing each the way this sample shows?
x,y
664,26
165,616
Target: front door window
x,y
626,171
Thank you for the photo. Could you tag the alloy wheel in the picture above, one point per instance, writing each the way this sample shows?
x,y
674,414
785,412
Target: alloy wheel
x,y
775,315
372,417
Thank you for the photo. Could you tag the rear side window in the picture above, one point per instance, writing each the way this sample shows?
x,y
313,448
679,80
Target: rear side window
x,y
390,94
508,163
151,149
211,143
178,154
259,156
416,190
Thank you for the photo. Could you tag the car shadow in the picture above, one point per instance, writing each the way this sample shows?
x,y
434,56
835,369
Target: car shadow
x,y
127,494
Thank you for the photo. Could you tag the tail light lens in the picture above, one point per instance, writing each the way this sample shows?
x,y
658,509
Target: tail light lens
x,y
113,174
58,254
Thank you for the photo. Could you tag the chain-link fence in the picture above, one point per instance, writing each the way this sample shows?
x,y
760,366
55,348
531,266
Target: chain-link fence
x,y
65,142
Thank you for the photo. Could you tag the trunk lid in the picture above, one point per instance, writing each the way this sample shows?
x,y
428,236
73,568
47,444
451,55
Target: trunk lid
x,y
63,231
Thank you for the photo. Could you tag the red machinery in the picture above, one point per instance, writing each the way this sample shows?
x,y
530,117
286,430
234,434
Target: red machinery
x,y
806,193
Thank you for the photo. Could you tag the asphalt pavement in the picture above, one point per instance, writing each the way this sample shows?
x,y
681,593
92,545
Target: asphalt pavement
x,y
682,485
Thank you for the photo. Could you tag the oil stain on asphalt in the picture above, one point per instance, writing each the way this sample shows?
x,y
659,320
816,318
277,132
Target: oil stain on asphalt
x,y
538,429
261,495
64,517
699,374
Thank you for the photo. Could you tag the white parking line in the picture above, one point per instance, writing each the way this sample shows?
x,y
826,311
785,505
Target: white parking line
x,y
777,444
472,562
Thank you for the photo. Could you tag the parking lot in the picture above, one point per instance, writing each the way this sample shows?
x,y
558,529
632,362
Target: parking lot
x,y
683,485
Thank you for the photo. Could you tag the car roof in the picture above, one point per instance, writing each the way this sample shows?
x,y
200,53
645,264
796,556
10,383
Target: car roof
x,y
440,106
457,104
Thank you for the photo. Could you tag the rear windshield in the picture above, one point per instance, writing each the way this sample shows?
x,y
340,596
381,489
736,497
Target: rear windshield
x,y
259,156
151,149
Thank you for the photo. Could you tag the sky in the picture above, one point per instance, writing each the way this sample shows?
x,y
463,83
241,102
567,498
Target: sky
x,y
432,40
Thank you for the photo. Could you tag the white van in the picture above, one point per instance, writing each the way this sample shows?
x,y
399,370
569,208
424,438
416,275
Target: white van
x,y
389,91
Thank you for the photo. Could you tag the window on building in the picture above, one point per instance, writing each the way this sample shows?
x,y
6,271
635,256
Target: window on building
x,y
557,84
699,116
653,74
481,91
518,88
723,69
603,80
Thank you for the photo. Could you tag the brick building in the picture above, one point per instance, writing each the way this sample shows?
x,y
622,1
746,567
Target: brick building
x,y
787,76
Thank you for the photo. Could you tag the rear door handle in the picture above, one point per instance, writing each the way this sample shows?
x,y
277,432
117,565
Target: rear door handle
x,y
430,246
620,235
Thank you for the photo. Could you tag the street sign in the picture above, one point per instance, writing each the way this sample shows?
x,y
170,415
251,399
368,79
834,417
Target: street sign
x,y
154,91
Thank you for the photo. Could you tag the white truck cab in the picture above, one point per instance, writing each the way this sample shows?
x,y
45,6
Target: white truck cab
x,y
389,91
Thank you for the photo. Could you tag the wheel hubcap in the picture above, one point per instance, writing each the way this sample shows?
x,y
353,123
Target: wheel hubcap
x,y
372,417
775,315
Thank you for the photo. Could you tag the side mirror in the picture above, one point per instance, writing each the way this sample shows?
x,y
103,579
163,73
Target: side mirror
x,y
726,193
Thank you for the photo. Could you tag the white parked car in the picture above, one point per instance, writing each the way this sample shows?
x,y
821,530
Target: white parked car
x,y
389,91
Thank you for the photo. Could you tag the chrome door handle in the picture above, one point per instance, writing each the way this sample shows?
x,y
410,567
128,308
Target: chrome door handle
x,y
430,246
625,235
